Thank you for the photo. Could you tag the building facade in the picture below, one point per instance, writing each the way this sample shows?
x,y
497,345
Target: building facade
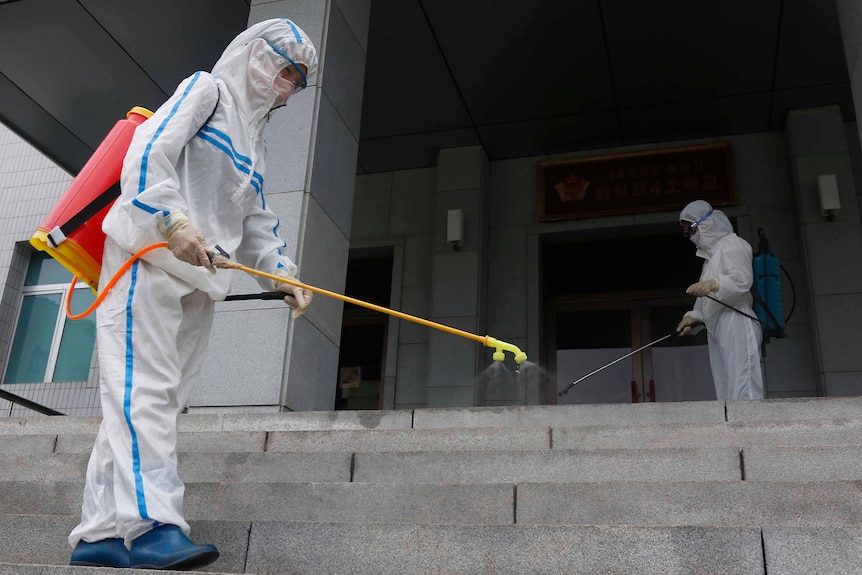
x,y
572,293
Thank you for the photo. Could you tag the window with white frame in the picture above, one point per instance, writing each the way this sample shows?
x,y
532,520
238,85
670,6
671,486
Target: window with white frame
x,y
48,346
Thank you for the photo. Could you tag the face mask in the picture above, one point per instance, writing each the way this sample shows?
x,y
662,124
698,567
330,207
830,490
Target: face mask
x,y
692,232
284,87
695,237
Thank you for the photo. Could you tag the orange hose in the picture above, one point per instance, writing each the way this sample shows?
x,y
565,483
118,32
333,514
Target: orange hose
x,y
108,287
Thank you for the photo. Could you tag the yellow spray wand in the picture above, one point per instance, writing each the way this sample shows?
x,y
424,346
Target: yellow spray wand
x,y
220,261
487,341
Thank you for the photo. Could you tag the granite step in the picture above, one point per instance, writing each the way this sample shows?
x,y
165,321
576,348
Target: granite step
x,y
32,569
489,439
562,416
695,487
804,433
681,464
673,503
280,547
759,463
323,549
43,539
348,502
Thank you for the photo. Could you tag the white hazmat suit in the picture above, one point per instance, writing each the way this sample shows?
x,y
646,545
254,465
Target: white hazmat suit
x,y
200,155
734,340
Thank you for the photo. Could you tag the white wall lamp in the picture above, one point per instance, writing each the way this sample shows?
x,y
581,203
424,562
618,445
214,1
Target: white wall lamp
x,y
455,229
830,203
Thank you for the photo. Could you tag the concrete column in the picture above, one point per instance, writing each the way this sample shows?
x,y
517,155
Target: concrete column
x,y
458,278
850,20
831,247
259,358
513,280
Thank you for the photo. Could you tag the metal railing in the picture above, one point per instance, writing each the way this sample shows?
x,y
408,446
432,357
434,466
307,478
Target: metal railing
x,y
24,402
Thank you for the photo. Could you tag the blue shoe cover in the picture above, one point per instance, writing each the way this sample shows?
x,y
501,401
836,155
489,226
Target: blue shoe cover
x,y
104,553
167,547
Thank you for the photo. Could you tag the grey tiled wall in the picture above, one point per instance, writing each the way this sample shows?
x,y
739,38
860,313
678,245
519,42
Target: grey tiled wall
x,y
30,185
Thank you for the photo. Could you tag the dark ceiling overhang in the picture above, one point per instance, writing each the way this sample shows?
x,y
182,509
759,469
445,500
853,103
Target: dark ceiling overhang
x,y
69,69
525,78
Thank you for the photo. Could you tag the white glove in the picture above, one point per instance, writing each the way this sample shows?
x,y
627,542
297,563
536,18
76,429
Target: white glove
x,y
703,288
185,241
689,326
297,297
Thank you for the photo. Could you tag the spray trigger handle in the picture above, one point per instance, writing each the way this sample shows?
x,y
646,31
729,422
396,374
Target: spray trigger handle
x,y
691,326
220,251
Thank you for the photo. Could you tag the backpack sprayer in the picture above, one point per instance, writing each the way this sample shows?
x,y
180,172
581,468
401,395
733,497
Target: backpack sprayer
x,y
766,292
72,231
72,235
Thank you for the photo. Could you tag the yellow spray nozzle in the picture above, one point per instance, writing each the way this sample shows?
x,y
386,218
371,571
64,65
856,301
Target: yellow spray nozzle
x,y
501,346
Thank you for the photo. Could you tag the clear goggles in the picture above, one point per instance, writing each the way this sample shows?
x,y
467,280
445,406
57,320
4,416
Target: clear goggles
x,y
691,229
292,63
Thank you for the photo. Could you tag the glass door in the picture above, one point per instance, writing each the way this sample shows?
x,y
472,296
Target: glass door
x,y
676,369
585,336
585,339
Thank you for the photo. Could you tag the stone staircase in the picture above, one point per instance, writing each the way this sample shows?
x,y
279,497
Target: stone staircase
x,y
760,487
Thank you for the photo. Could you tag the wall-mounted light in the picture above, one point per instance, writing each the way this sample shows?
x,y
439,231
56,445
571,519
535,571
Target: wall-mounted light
x,y
455,229
830,203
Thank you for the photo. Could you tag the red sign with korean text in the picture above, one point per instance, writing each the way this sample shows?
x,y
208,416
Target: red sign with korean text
x,y
638,182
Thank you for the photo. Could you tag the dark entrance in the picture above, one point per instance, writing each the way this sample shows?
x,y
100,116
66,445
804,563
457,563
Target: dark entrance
x,y
362,353
608,293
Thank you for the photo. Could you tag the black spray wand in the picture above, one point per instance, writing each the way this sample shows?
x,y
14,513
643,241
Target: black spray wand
x,y
619,359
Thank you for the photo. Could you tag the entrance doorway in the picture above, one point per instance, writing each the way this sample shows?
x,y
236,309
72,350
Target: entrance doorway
x,y
609,292
360,363
364,332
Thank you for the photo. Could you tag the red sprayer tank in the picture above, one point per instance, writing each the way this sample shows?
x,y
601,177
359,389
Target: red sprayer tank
x,y
72,231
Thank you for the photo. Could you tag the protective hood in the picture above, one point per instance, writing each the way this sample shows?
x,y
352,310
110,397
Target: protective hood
x,y
250,63
710,230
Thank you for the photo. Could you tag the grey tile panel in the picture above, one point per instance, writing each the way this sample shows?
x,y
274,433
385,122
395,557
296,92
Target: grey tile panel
x,y
808,432
571,415
680,464
705,504
813,550
475,439
832,463
323,549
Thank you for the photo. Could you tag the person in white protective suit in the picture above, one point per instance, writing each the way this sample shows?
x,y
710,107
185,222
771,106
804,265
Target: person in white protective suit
x,y
733,339
194,176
